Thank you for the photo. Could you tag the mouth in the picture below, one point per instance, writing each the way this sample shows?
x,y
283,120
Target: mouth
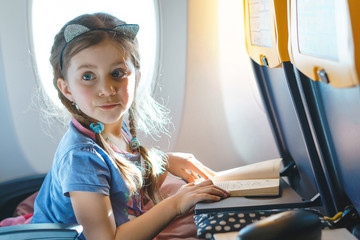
x,y
109,106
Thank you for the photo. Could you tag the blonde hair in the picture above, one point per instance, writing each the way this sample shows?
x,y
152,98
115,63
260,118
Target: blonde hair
x,y
145,113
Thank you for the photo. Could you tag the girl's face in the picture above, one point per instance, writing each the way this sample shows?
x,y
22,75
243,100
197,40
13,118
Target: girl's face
x,y
101,81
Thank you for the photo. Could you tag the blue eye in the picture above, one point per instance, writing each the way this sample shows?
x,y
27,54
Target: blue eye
x,y
118,73
88,76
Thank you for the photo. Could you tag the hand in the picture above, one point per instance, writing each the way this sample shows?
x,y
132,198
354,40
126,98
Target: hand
x,y
187,167
192,193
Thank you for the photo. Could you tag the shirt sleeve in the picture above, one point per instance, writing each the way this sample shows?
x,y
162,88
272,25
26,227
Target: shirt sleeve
x,y
84,169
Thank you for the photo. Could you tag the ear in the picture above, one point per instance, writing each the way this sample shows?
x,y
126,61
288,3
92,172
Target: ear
x,y
65,89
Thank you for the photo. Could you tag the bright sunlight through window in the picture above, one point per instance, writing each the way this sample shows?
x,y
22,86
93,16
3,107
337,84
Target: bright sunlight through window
x,y
49,16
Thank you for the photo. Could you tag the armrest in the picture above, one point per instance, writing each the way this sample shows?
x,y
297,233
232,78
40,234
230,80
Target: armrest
x,y
41,231
14,191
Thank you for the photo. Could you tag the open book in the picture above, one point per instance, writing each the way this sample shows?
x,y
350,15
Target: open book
x,y
258,179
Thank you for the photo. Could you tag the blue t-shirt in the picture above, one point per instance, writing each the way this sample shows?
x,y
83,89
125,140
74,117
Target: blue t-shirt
x,y
82,165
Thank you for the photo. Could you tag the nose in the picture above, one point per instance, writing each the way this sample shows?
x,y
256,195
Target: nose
x,y
107,89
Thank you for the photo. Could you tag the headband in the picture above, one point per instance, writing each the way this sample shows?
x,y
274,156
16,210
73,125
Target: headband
x,y
75,30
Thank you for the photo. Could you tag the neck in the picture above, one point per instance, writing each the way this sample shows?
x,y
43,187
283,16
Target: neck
x,y
113,134
113,129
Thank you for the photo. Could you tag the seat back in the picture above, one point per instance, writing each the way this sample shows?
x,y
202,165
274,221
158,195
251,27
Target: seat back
x,y
326,57
268,49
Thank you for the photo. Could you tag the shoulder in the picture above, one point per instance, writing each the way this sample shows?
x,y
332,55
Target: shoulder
x,y
75,137
83,166
79,161
78,152
75,142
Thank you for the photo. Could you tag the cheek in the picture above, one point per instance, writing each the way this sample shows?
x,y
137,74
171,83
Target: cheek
x,y
83,96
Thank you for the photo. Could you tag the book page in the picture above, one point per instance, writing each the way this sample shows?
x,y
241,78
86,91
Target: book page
x,y
248,184
260,170
252,187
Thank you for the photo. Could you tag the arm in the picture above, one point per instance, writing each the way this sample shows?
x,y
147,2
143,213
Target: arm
x,y
94,212
187,167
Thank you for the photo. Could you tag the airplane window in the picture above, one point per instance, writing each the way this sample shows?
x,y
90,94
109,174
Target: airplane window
x,y
49,16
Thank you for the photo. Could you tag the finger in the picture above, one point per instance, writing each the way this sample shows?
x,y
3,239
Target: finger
x,y
222,191
211,187
208,197
189,185
195,175
208,194
198,169
214,190
205,182
188,177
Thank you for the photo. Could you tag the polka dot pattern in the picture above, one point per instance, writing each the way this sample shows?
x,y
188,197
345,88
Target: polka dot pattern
x,y
210,223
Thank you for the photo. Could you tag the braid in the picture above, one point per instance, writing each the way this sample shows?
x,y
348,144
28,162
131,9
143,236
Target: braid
x,y
151,186
130,172
153,161
132,120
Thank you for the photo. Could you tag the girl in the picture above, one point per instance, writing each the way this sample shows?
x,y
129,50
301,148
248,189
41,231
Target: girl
x,y
101,175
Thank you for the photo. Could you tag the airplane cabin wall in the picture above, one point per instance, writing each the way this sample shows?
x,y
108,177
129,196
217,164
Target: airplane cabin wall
x,y
224,122
204,73
25,148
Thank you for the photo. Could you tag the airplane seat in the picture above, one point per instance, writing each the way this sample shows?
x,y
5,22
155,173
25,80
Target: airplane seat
x,y
14,191
266,34
324,49
11,194
293,45
41,231
266,38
